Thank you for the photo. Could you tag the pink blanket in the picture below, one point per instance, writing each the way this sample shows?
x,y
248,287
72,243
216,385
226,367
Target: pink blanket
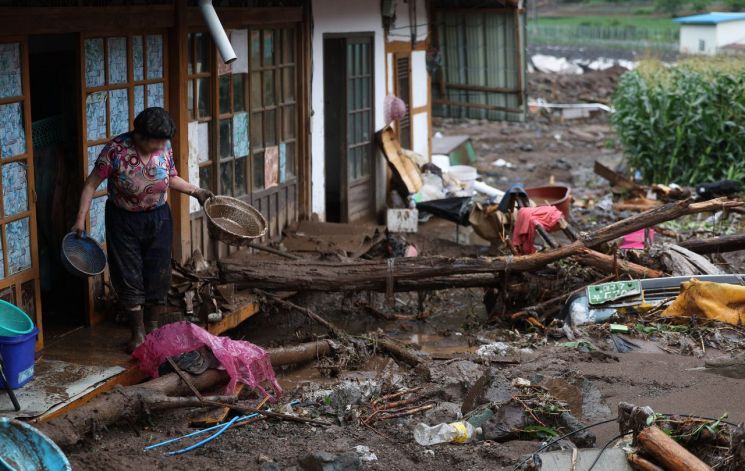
x,y
243,361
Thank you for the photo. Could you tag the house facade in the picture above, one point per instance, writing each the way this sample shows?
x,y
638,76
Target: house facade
x,y
711,33
288,127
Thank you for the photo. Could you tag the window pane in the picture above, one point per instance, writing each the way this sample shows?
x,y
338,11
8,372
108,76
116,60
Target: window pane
x,y
10,64
366,126
289,46
94,71
202,52
268,47
203,97
365,161
226,178
119,111
154,50
190,99
98,219
138,57
95,115
205,177
240,134
117,60
288,122
350,60
240,176
268,88
226,135
155,94
290,158
19,246
255,49
288,84
366,92
270,128
139,99
13,134
257,128
258,171
28,300
15,188
190,47
239,92
225,93
255,90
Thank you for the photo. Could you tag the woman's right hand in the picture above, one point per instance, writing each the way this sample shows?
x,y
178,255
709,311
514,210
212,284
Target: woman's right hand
x,y
78,228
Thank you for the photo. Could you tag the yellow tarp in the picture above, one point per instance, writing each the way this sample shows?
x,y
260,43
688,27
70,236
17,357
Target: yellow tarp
x,y
716,301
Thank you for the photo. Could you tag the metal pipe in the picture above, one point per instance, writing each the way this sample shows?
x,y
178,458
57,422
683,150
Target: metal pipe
x,y
217,31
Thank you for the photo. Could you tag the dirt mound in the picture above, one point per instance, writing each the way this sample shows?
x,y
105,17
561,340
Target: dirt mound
x,y
593,86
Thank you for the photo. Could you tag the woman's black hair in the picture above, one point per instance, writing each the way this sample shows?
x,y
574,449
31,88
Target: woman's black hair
x,y
155,123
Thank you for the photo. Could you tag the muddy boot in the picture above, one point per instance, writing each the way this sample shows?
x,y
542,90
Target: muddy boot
x,y
152,319
137,328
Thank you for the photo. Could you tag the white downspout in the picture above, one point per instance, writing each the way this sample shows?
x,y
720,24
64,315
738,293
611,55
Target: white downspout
x,y
217,31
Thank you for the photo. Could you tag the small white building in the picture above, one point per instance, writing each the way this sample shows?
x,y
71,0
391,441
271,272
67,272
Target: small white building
x,y
709,33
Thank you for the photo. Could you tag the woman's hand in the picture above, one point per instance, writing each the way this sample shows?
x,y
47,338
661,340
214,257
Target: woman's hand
x,y
78,228
202,195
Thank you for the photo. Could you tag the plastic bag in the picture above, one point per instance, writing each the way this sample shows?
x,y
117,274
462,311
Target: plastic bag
x,y
243,361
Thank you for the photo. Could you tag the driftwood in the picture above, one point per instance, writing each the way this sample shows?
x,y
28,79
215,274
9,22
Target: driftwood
x,y
413,274
643,463
130,403
669,453
608,264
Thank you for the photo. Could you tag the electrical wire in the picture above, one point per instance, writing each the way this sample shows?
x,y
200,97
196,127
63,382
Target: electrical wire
x,y
597,458
556,440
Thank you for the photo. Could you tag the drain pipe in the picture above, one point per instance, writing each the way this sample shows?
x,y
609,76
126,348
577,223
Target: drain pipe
x,y
217,31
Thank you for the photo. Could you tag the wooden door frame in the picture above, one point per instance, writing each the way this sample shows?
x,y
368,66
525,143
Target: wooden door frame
x,y
344,180
409,99
32,274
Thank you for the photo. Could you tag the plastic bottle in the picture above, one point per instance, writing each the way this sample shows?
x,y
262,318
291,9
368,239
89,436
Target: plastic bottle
x,y
455,432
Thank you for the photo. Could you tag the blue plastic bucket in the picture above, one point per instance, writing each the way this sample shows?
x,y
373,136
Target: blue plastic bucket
x,y
13,321
18,358
24,448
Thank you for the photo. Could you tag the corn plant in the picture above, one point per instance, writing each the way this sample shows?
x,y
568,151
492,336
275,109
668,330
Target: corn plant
x,y
683,124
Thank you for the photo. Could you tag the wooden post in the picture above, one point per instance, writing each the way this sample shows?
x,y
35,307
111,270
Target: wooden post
x,y
177,57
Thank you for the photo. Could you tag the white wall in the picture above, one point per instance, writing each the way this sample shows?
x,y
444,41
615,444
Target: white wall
x,y
690,35
340,16
730,32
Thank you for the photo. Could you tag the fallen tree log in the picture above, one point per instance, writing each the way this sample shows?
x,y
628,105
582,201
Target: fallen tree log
x,y
412,274
728,243
607,264
130,403
669,453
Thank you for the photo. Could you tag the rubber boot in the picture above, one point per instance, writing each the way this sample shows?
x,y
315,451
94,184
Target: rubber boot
x,y
152,318
137,328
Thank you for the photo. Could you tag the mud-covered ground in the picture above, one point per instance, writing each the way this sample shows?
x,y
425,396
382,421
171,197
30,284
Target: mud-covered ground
x,y
591,383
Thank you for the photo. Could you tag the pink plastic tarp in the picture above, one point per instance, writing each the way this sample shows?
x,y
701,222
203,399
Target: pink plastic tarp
x,y
243,361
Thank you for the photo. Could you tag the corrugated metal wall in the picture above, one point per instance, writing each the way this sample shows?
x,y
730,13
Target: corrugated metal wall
x,y
479,51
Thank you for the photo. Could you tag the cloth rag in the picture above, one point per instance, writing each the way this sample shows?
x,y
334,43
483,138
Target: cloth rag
x,y
635,240
717,301
243,361
523,232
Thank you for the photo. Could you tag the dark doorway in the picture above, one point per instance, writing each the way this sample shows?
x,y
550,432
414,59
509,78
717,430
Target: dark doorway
x,y
55,101
349,127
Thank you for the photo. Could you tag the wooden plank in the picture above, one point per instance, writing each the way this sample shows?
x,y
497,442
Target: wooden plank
x,y
233,319
240,17
88,19
132,375
477,106
404,46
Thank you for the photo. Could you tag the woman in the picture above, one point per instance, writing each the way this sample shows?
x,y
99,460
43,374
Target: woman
x,y
140,169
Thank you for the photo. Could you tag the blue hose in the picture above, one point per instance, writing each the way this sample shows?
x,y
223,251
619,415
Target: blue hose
x,y
239,421
221,428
